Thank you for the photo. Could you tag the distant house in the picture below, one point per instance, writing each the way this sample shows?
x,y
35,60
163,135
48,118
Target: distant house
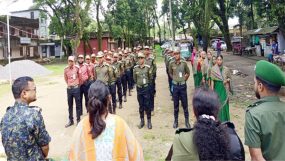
x,y
263,37
108,43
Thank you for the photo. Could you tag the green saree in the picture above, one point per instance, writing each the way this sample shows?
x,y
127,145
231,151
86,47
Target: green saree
x,y
218,76
198,75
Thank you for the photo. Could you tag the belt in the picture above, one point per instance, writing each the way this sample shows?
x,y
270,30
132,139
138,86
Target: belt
x,y
142,86
178,83
112,83
73,87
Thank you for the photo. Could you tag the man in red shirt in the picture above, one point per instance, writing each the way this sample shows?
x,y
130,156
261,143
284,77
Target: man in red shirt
x,y
84,77
93,58
90,67
71,77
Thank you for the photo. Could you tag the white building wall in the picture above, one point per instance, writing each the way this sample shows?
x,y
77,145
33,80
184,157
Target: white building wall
x,y
27,14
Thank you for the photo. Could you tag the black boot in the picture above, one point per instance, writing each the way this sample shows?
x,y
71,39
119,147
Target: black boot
x,y
187,124
149,125
125,98
70,123
141,125
120,106
175,124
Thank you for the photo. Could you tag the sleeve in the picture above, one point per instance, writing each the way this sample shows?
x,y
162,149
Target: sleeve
x,y
135,76
252,131
170,70
135,151
65,76
40,132
154,66
187,70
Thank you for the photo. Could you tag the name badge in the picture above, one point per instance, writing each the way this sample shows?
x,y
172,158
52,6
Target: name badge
x,y
144,81
180,74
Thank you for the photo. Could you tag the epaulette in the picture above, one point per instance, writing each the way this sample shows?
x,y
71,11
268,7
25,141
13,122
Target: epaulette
x,y
147,65
36,108
178,131
182,58
254,105
136,66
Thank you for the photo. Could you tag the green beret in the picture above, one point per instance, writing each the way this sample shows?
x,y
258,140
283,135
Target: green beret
x,y
270,72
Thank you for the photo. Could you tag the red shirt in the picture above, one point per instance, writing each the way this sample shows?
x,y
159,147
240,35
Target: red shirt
x,y
71,75
84,73
91,69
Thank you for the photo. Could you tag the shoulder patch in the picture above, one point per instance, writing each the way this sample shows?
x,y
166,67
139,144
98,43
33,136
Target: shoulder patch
x,y
178,131
254,105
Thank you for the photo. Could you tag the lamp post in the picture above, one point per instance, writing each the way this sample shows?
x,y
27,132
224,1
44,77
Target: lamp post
x,y
9,54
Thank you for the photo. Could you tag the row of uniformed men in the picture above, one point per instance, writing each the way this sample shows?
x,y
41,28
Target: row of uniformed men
x,y
115,69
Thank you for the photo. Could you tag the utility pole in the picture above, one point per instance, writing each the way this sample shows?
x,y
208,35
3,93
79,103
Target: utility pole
x,y
171,21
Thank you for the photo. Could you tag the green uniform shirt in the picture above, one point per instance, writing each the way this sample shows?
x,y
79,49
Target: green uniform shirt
x,y
150,61
178,71
113,74
142,75
120,68
184,148
128,63
265,127
103,72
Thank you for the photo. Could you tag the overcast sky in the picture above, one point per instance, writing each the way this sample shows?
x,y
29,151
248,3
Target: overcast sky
x,y
9,6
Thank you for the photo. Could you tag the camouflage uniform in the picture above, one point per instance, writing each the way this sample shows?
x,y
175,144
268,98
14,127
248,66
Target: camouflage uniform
x,y
24,133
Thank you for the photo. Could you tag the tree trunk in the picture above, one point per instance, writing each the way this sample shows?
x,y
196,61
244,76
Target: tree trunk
x,y
225,30
99,32
252,16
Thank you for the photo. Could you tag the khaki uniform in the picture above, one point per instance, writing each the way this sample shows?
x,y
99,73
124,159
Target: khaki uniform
x,y
103,72
265,127
142,76
178,71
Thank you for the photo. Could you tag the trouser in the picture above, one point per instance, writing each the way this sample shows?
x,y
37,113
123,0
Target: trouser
x,y
119,90
170,84
151,94
124,84
112,89
144,101
84,91
74,93
132,79
129,78
154,84
180,93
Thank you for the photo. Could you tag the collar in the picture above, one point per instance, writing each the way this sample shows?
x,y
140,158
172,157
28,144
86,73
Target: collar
x,y
17,103
270,99
178,62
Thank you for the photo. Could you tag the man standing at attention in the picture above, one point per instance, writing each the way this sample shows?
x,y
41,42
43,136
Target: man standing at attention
x,y
265,119
71,77
23,131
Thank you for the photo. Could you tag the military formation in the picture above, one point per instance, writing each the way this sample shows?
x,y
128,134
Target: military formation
x,y
121,70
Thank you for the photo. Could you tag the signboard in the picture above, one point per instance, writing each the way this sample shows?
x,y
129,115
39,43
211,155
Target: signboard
x,y
25,40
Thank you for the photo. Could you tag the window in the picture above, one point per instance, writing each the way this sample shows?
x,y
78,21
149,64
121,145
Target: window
x,y
21,51
1,31
32,15
29,33
12,31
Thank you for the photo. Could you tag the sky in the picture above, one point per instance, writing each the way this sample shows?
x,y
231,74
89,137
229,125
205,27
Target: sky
x,y
7,6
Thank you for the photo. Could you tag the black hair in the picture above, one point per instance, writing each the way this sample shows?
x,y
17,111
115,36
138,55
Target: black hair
x,y
269,86
19,85
98,95
210,137
221,56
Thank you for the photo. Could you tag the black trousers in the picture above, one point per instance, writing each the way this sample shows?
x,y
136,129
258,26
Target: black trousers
x,y
84,91
154,84
74,93
112,89
151,95
180,93
132,79
124,84
170,84
119,90
144,101
129,79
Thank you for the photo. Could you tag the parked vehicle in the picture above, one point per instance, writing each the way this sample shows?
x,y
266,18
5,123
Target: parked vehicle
x,y
223,46
185,50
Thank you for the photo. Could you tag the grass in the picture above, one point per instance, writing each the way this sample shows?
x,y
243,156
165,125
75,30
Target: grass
x,y
158,51
57,69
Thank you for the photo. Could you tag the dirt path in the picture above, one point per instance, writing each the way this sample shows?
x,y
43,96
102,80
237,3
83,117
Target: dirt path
x,y
156,142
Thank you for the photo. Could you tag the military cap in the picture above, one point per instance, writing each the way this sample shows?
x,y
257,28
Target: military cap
x,y
270,73
100,54
105,51
93,55
125,51
87,57
130,50
140,55
80,56
116,55
135,48
108,58
146,47
71,58
113,50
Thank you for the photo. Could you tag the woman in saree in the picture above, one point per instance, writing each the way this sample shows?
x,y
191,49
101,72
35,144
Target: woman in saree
x,y
101,136
206,69
197,69
221,79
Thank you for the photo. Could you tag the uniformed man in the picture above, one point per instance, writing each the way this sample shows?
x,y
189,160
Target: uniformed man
x,y
133,62
90,67
265,119
179,72
119,66
149,60
142,76
112,83
124,77
84,77
23,131
93,58
71,77
128,66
